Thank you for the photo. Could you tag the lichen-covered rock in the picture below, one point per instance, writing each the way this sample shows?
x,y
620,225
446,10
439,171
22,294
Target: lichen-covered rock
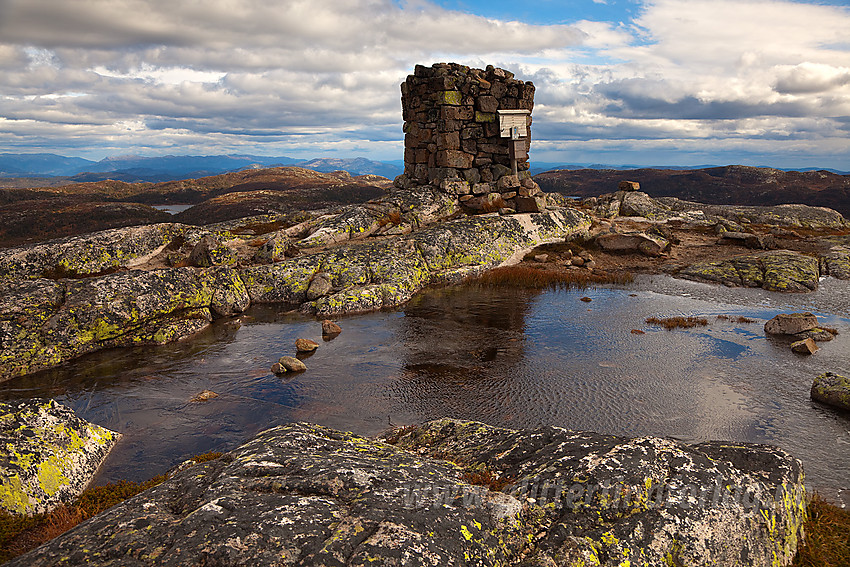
x,y
836,262
790,215
210,251
319,286
605,500
387,273
274,249
48,455
307,495
629,203
44,322
228,294
418,207
88,254
832,389
779,270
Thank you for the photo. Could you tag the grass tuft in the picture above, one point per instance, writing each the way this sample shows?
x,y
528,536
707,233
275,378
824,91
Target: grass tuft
x,y
537,278
671,323
489,479
827,536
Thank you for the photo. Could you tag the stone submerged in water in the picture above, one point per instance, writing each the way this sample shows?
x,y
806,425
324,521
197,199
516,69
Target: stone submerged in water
x,y
330,329
307,495
48,455
305,345
832,389
288,364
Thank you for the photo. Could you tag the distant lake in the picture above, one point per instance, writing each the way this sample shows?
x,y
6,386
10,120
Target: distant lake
x,y
514,358
172,209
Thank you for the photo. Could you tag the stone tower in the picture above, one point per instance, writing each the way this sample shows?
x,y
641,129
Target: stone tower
x,y
467,133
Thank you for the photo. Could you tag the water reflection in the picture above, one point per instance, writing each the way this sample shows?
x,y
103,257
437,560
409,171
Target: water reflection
x,y
513,358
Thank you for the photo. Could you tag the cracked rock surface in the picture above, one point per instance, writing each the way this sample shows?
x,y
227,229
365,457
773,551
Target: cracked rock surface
x,y
307,495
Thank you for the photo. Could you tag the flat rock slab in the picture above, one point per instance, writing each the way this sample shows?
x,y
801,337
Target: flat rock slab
x,y
306,495
48,455
774,270
832,389
791,323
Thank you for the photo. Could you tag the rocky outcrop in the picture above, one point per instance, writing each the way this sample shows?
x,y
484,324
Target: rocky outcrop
x,y
48,455
456,493
44,322
400,212
777,215
779,270
387,273
639,204
628,203
832,389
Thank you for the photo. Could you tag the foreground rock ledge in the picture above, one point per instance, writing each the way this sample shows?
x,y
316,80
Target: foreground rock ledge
x,y
307,495
48,455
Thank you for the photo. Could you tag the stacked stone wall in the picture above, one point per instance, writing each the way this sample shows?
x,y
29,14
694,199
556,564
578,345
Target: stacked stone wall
x,y
452,136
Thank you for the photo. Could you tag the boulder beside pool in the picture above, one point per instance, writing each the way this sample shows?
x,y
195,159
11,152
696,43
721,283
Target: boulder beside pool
x,y
48,455
832,389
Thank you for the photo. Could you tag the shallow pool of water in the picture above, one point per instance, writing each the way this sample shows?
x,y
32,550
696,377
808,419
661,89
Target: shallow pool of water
x,y
507,357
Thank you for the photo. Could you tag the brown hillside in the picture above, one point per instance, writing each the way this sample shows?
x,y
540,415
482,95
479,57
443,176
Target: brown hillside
x,y
730,185
32,215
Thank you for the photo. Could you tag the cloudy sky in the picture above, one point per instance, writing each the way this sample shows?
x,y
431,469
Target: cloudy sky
x,y
654,82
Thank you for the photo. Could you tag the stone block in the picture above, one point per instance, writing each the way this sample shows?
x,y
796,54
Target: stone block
x,y
448,140
482,188
485,116
472,175
454,159
449,97
456,113
455,187
530,204
472,132
487,104
507,183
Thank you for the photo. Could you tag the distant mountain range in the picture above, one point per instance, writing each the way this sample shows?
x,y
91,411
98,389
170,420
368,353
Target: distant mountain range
x,y
171,168
135,169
